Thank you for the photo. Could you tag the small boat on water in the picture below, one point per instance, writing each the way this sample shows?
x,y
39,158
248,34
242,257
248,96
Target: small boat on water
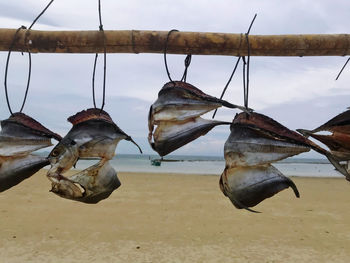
x,y
156,162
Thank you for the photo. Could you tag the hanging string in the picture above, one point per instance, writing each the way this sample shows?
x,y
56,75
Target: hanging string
x,y
165,50
29,61
235,68
187,64
187,59
104,63
246,65
342,69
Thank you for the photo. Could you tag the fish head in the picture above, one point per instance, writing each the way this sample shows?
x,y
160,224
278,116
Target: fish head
x,y
90,185
63,156
96,134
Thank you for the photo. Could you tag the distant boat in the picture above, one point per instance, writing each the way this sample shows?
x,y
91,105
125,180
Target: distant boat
x,y
156,162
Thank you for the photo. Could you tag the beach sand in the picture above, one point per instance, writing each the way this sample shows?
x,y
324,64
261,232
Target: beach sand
x,y
175,218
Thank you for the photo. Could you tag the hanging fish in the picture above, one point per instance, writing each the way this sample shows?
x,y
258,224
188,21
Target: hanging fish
x,y
88,186
21,135
93,134
14,169
254,143
176,113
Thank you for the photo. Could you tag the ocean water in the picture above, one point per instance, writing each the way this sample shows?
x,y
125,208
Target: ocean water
x,y
211,165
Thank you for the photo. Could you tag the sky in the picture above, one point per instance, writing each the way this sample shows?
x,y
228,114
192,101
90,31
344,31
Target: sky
x,y
299,92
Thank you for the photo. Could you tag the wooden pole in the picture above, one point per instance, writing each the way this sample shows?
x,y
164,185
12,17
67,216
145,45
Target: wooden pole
x,y
197,43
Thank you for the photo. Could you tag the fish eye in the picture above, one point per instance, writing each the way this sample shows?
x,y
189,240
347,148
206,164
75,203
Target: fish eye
x,y
55,153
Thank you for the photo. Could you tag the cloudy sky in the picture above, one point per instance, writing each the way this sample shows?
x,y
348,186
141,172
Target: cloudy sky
x,y
298,92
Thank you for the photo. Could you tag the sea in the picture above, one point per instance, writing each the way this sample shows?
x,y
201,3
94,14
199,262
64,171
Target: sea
x,y
210,165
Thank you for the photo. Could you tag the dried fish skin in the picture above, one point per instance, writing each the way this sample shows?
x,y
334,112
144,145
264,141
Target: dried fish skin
x,y
249,147
21,135
88,186
15,169
270,127
248,186
170,136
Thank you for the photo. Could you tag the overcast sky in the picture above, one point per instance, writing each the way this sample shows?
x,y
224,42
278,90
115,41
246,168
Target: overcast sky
x,y
297,92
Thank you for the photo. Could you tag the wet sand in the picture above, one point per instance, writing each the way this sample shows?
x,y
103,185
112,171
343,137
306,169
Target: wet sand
x,y
175,218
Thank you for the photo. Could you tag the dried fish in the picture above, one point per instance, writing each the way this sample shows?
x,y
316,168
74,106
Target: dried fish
x,y
177,113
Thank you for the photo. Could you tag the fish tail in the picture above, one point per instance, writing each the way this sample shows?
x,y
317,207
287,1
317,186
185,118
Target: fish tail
x,y
294,187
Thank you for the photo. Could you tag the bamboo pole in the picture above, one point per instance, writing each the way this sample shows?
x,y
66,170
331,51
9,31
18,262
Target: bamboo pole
x,y
138,41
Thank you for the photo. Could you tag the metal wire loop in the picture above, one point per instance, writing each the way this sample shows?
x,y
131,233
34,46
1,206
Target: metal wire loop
x,y
187,59
104,63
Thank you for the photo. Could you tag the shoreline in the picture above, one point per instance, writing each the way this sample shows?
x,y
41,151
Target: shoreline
x,y
175,218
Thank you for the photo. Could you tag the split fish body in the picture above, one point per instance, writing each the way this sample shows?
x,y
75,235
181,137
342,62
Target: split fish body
x,y
177,113
15,169
21,135
170,136
249,147
90,185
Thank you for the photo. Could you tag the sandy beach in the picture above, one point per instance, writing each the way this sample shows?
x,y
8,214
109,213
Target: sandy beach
x,y
175,218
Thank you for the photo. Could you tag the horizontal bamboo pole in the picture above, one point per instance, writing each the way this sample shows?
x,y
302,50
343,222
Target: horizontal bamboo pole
x,y
138,41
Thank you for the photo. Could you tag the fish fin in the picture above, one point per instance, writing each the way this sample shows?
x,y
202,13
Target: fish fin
x,y
233,106
75,164
131,140
337,165
294,187
305,133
